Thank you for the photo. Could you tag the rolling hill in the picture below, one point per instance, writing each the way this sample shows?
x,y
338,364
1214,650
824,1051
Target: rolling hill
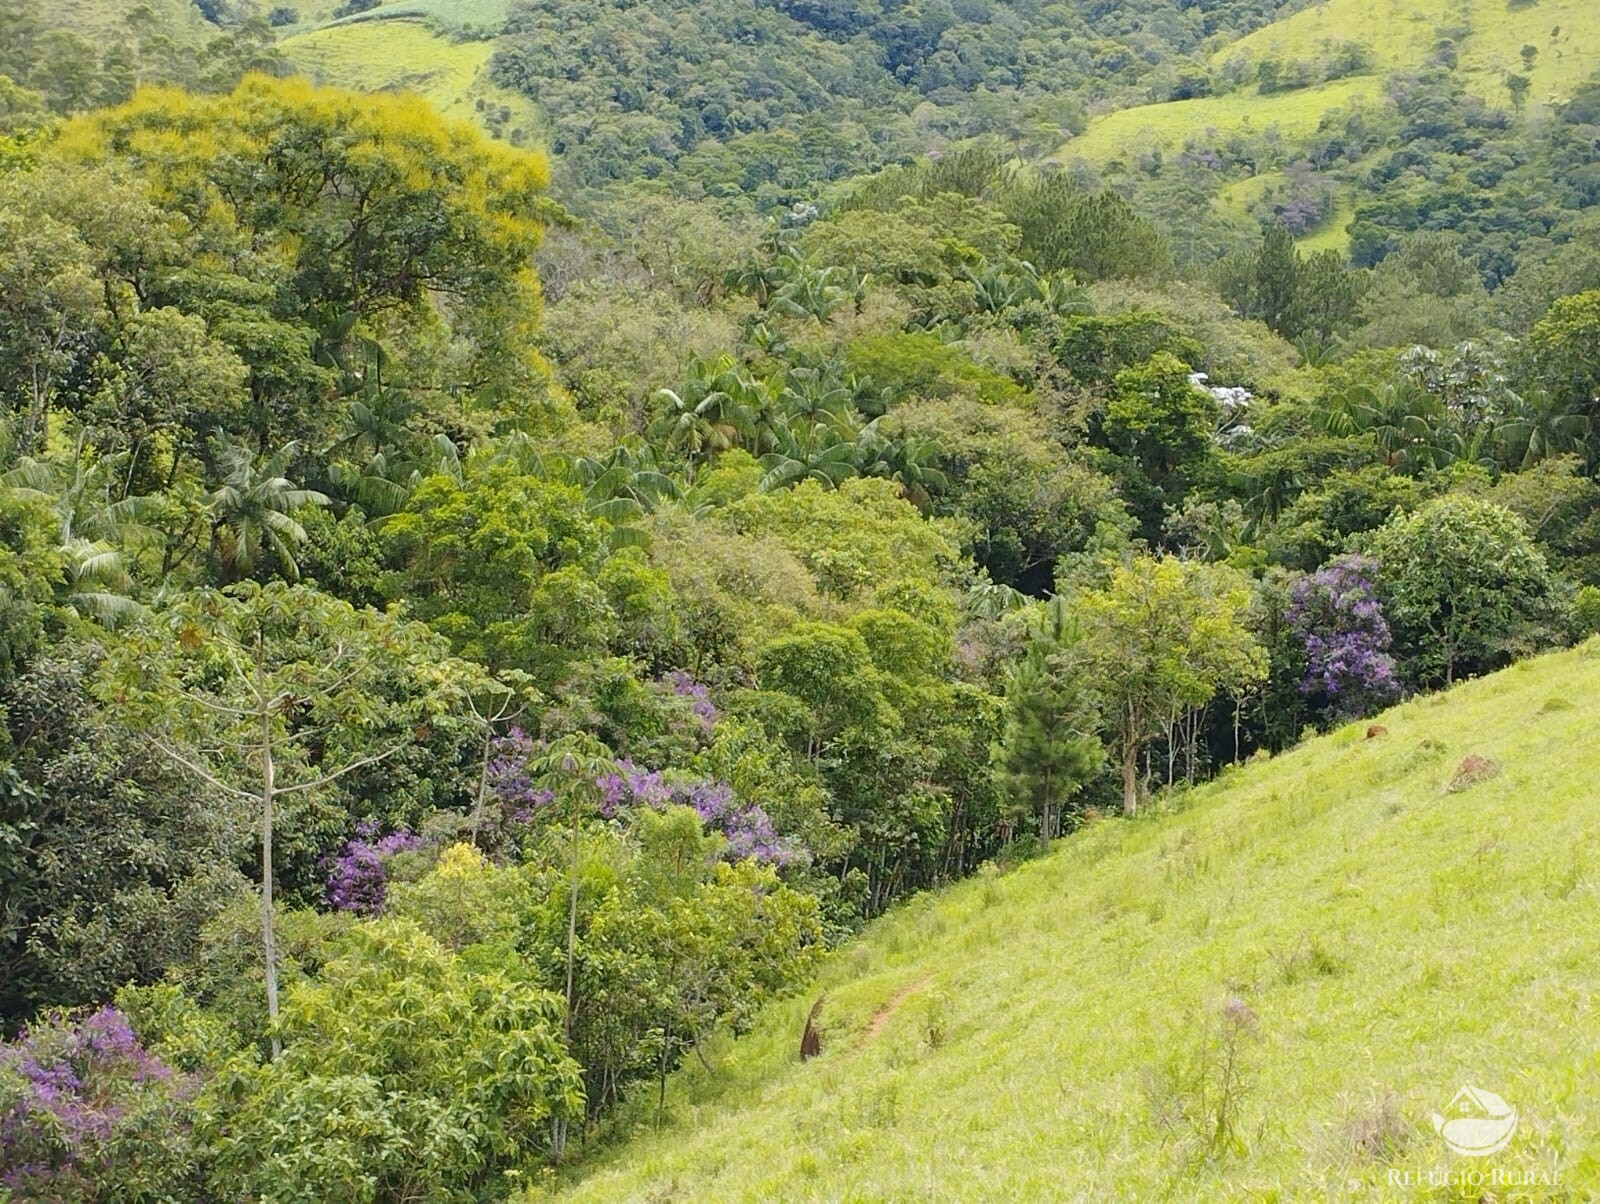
x,y
1264,993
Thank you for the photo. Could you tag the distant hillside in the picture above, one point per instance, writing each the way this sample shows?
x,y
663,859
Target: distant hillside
x,y
1484,38
1265,994
1353,122
791,92
1522,55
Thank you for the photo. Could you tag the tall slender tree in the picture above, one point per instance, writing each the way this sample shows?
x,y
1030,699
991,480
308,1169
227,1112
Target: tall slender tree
x,y
1049,748
268,693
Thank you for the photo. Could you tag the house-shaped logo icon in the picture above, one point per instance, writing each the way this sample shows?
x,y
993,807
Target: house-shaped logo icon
x,y
1476,1123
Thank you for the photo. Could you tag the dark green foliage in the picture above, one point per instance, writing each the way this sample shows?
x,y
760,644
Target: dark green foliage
x,y
111,858
773,100
1049,748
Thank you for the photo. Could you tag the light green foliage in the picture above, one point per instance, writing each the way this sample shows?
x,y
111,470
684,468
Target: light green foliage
x,y
1463,585
775,535
1318,522
830,671
461,901
1558,504
1229,351
270,695
1165,637
404,1074
923,365
1332,889
1161,424
670,942
764,774
1025,501
1564,344
1427,293
516,572
855,539
357,234
732,591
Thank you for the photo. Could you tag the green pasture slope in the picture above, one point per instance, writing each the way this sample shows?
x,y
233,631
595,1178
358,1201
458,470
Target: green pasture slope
x,y
1262,993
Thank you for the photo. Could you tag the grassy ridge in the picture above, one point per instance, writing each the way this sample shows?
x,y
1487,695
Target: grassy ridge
x,y
1365,940
178,19
1489,35
1165,126
400,51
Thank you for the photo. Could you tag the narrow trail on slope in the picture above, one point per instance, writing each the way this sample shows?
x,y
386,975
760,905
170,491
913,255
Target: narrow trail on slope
x,y
888,1008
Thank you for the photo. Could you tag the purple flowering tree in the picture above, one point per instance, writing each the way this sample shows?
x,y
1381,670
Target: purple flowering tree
x,y
88,1113
695,698
358,871
748,829
1336,614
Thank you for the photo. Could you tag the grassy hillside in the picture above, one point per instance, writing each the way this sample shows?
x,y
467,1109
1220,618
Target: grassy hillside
x,y
178,19
1489,36
1165,126
1358,938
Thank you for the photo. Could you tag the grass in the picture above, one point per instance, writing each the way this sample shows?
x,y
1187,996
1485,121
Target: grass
x,y
1261,994
375,55
1165,126
95,19
401,52
1489,35
1334,233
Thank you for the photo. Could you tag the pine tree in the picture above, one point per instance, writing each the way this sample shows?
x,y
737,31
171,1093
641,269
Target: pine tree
x,y
1049,748
1277,282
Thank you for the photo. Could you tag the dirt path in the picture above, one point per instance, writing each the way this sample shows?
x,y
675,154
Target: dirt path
x,y
889,1007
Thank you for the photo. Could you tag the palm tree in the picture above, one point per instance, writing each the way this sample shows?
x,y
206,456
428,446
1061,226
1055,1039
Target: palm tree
x,y
252,507
92,532
721,406
1539,427
1269,491
1412,428
909,461
823,451
803,290
811,391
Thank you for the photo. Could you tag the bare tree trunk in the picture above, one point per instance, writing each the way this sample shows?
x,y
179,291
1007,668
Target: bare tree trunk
x,y
483,782
1130,774
268,946
572,916
1173,726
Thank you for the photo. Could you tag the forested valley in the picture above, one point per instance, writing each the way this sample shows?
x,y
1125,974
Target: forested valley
x,y
475,624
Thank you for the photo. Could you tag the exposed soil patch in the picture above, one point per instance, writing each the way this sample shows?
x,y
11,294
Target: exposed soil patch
x,y
889,1007
1471,771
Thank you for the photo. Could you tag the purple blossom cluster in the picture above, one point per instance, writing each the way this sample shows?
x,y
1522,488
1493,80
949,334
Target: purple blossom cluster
x,y
509,778
65,1086
696,695
1201,156
358,871
1335,611
746,826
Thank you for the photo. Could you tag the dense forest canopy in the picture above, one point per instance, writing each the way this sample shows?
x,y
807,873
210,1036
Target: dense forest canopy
x,y
553,615
773,100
